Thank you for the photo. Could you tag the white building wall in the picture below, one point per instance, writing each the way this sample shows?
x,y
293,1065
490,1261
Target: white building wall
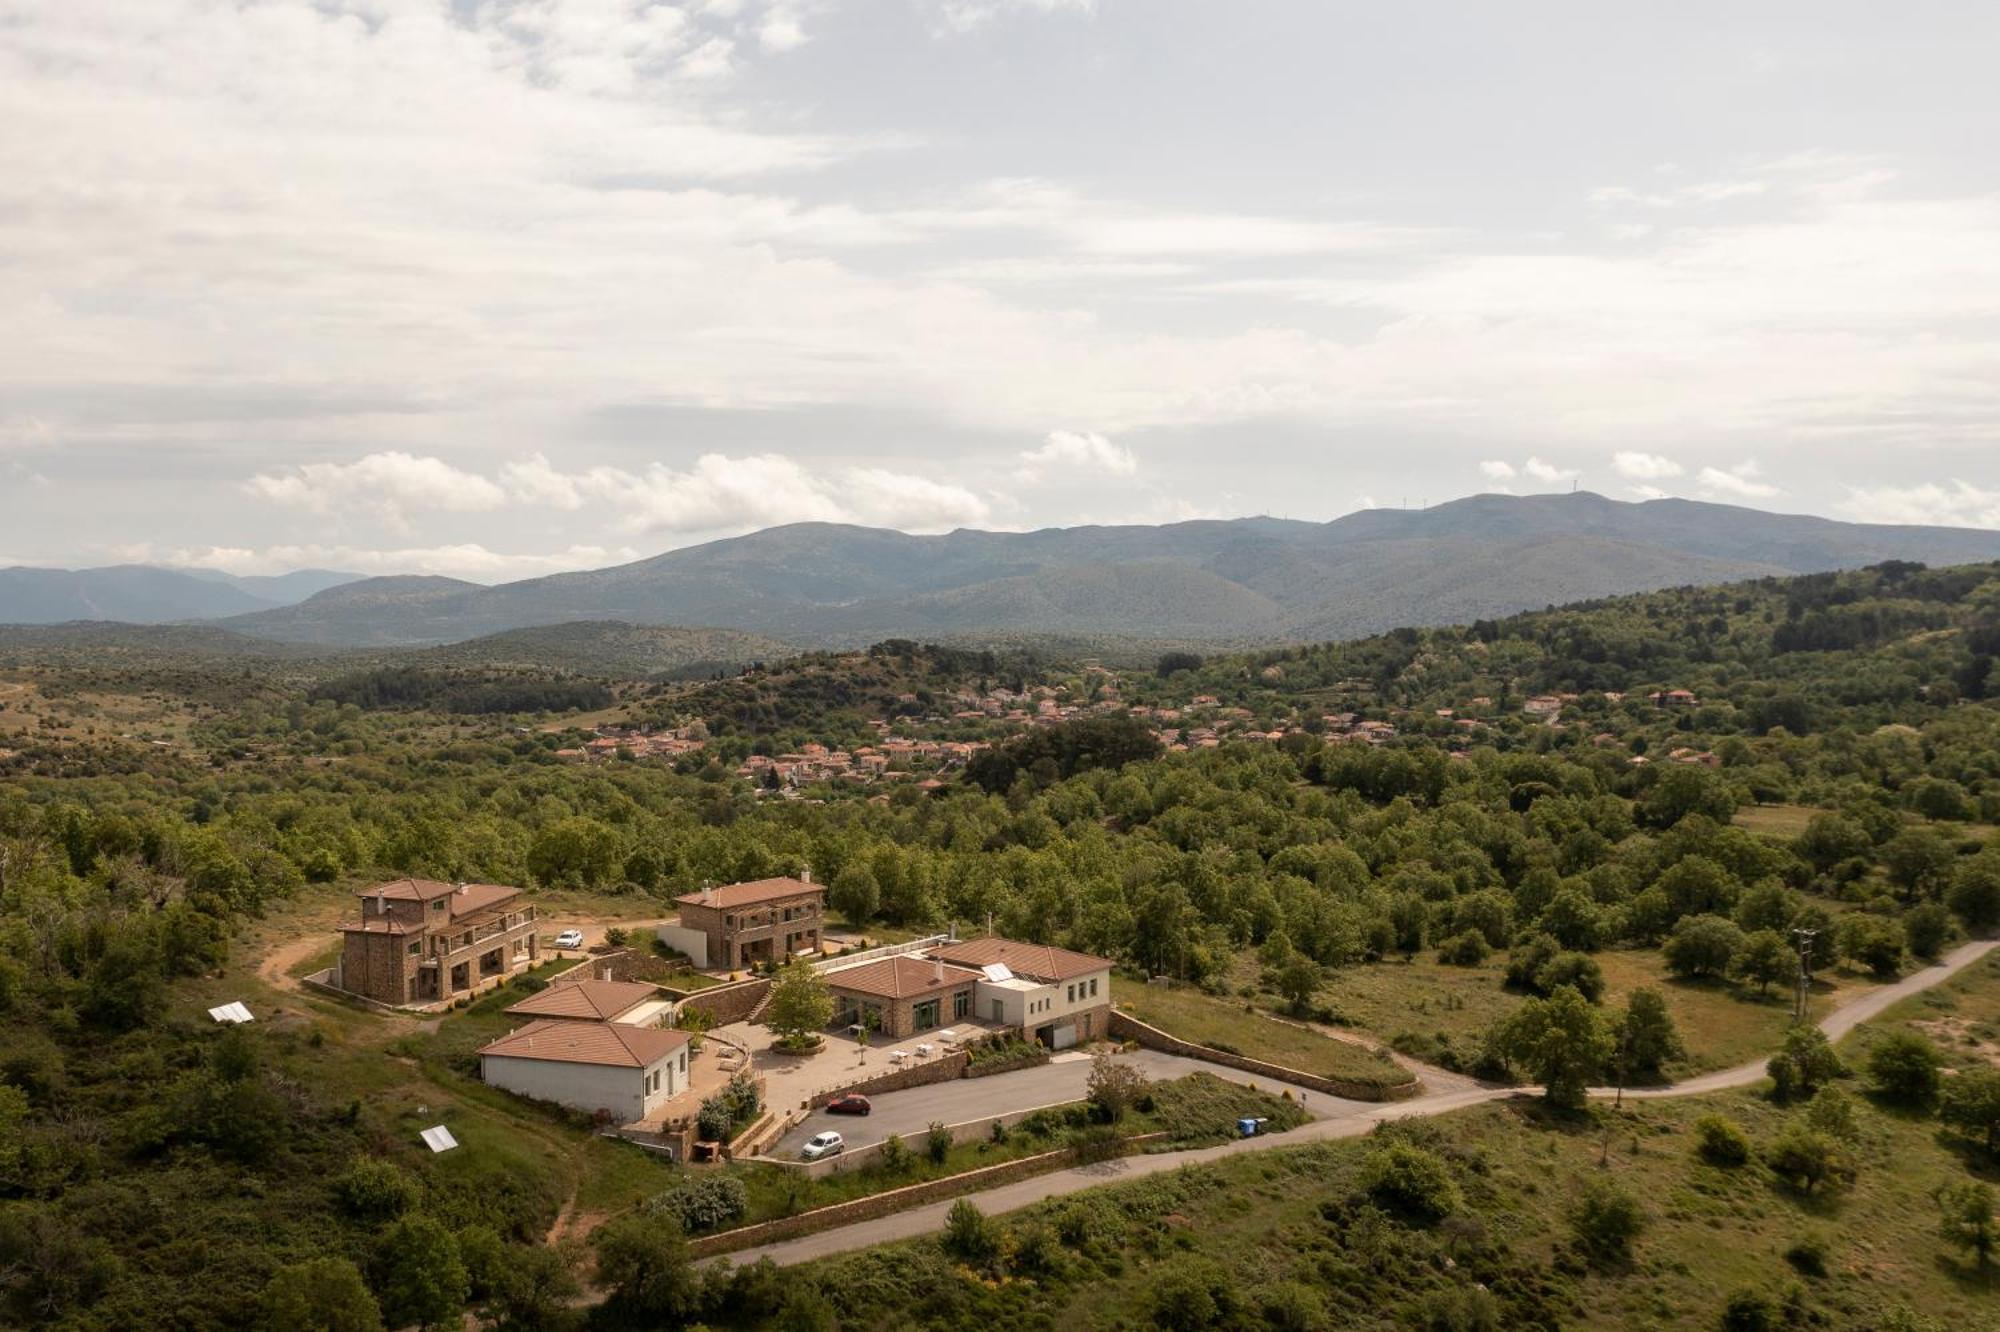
x,y
1039,1005
692,942
621,1092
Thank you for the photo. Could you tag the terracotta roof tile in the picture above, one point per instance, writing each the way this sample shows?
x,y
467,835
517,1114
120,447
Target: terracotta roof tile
x,y
750,894
899,977
1040,962
598,1000
606,1043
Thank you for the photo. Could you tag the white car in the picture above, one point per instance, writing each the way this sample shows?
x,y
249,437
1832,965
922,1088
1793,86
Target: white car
x,y
570,939
822,1144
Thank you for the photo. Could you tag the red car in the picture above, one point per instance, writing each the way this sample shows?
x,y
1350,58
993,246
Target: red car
x,y
848,1105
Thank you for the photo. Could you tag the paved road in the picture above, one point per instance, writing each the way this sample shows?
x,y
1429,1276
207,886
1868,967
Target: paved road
x,y
1063,1078
929,1219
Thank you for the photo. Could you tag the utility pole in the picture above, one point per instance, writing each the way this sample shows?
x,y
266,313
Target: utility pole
x,y
1804,938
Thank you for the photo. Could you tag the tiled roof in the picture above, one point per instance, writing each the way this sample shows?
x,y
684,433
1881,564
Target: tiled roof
x,y
466,898
606,1043
596,999
750,894
899,977
1039,961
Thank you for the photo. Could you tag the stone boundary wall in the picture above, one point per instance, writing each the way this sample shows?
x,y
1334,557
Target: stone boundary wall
x,y
896,1200
972,1130
1125,1026
729,1003
987,1068
321,982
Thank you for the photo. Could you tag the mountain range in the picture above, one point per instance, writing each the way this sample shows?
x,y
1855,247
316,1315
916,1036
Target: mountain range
x,y
1230,581
145,594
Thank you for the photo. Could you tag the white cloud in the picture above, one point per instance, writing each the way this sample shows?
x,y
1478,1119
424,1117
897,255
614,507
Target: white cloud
x,y
534,481
1739,481
1644,466
1951,504
469,560
1496,470
1548,472
961,16
1073,452
392,484
781,31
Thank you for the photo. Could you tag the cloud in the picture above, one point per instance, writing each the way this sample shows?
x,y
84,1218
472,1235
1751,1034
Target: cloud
x,y
1950,504
1496,470
1548,472
1739,481
1647,492
720,493
781,31
392,484
1644,466
469,560
963,16
1074,452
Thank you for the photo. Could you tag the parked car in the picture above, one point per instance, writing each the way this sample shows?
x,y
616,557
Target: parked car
x,y
853,1104
822,1144
570,939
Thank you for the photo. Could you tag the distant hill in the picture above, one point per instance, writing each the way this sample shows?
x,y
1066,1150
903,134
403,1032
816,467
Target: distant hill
x,y
144,594
609,648
1243,580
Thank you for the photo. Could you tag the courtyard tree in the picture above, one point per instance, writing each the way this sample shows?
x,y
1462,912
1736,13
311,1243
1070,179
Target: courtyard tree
x,y
801,1006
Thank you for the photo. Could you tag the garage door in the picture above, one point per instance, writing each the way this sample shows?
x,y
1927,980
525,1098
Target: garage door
x,y
1063,1037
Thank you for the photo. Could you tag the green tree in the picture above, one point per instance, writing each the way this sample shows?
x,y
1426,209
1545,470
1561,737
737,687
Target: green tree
x,y
1965,1218
420,1277
801,1005
319,1295
1647,1037
1409,1180
855,894
535,1290
1299,980
1873,941
1721,1141
1806,1158
1764,958
1803,1064
1561,1041
1927,928
1702,946
1970,1102
574,851
1905,1067
1974,896
1919,861
643,1262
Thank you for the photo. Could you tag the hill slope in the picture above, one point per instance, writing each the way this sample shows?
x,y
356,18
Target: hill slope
x,y
1242,580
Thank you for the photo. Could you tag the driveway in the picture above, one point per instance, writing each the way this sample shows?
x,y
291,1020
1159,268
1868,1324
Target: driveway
x,y
1064,1078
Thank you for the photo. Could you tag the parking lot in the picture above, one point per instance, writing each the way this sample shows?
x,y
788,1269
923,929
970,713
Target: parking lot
x,y
1064,1078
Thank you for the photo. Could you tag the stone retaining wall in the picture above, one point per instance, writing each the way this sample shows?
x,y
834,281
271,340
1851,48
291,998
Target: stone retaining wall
x,y
729,1003
1127,1027
944,1068
987,1068
895,1200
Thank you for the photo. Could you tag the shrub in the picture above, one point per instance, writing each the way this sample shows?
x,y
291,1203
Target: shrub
x,y
1927,929
615,936
1971,1104
1410,1180
1832,1113
706,1201
1748,1310
895,1155
1806,1158
1721,1141
968,1234
937,1143
1468,948
1804,1064
1194,1295
1576,970
1903,1067
1605,1219
1808,1253
371,1190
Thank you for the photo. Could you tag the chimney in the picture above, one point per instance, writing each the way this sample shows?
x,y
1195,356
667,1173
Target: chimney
x,y
459,887
381,903
806,874
708,892
937,970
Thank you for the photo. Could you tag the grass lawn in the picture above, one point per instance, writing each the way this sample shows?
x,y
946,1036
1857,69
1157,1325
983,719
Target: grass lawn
x,y
1228,1025
1785,822
1722,1024
1421,1007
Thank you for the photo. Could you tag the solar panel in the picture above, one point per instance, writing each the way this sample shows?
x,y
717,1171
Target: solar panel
x,y
998,971
438,1138
231,1012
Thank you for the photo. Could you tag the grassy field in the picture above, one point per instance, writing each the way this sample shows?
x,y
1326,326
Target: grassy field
x,y
1228,1025
1785,822
1722,1024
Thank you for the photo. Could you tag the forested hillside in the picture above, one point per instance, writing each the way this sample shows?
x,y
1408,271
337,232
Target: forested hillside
x,y
1835,765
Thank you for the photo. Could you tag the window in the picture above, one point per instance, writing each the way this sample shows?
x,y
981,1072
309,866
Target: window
x,y
438,905
1093,987
961,1004
1072,994
416,948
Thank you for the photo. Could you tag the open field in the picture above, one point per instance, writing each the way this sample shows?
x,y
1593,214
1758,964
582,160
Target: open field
x,y
1785,822
1232,1027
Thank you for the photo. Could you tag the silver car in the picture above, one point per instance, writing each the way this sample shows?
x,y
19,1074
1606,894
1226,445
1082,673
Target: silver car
x,y
822,1144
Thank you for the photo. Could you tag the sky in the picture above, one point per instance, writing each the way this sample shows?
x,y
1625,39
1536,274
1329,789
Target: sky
x,y
495,288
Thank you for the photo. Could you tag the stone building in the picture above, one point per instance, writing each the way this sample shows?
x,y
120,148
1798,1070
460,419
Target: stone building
x,y
767,920
420,941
